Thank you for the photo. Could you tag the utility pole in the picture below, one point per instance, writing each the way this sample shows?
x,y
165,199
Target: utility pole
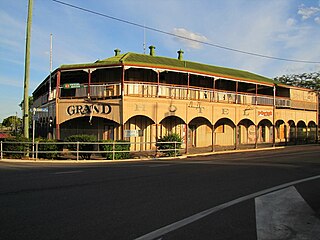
x,y
27,73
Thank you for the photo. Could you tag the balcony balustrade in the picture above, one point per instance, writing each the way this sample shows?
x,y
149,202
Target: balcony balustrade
x,y
175,92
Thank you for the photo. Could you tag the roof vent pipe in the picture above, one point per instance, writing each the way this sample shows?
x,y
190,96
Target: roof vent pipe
x,y
180,54
152,50
117,52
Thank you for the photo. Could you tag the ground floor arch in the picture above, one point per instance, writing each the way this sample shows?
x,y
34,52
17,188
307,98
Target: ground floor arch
x,y
172,124
141,132
246,132
224,131
312,132
265,131
101,128
200,132
280,131
301,132
292,137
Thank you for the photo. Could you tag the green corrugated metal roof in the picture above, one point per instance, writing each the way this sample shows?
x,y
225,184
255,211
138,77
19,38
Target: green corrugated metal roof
x,y
171,63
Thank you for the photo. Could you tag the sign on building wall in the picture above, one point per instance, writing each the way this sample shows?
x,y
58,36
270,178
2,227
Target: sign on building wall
x,y
83,109
133,133
71,85
265,113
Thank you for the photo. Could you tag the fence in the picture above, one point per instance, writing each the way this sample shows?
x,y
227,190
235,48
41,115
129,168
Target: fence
x,y
83,150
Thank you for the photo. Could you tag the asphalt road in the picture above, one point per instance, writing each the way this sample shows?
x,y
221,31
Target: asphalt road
x,y
124,200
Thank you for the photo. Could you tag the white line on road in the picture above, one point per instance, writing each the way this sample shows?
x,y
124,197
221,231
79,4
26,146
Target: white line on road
x,y
68,172
176,225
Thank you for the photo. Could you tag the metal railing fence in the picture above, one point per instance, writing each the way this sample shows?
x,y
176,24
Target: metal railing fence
x,y
83,150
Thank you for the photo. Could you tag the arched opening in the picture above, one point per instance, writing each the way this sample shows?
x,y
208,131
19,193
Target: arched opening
x,y
265,133
172,124
301,132
224,130
247,132
141,131
292,132
200,132
101,128
312,132
281,131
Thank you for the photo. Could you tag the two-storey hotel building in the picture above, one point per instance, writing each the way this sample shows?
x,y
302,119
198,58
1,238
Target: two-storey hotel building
x,y
141,97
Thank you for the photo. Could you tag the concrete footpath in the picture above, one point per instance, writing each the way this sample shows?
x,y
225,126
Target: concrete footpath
x,y
284,214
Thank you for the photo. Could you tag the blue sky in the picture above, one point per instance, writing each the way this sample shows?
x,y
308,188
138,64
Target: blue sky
x,y
280,28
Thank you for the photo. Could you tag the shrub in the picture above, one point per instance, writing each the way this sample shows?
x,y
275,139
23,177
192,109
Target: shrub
x,y
166,144
18,147
49,145
119,146
87,148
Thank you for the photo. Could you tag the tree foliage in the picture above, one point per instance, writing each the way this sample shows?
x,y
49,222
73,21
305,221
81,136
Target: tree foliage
x,y
306,80
13,121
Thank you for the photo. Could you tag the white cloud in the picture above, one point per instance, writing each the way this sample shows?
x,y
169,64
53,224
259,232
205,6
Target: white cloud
x,y
291,22
189,35
317,20
308,12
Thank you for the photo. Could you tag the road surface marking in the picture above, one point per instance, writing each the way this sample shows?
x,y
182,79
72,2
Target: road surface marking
x,y
68,172
284,214
176,225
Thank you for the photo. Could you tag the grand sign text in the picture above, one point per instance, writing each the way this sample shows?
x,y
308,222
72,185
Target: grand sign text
x,y
88,109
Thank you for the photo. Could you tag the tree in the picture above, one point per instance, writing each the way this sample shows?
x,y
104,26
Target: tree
x,y
306,80
13,122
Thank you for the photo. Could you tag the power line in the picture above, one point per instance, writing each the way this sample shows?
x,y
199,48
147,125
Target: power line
x,y
183,37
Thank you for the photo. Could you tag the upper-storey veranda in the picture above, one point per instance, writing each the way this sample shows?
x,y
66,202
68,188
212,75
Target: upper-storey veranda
x,y
150,76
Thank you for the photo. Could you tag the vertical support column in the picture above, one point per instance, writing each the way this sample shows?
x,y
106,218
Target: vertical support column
x,y
285,134
158,83
256,136
122,105
274,118
237,138
256,102
214,90
157,136
213,139
296,135
317,134
186,138
57,105
273,135
122,81
188,86
89,83
237,83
